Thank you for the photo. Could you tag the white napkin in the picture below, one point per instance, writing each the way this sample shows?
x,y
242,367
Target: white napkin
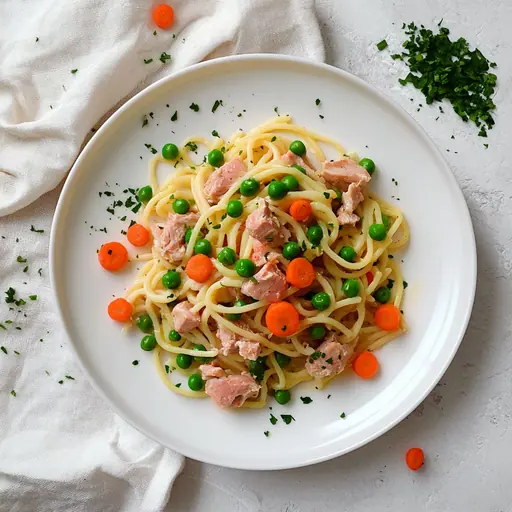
x,y
61,448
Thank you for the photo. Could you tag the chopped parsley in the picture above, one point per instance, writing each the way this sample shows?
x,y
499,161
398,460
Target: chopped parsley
x,y
34,230
329,361
166,368
153,150
406,284
74,71
148,61
273,419
174,116
192,146
383,44
327,195
32,297
217,226
390,283
2,326
287,418
135,362
145,120
61,382
342,415
10,295
269,238
20,259
194,107
276,110
317,102
215,133
178,385
266,433
216,105
13,393
306,399
164,57
3,349
274,138
69,377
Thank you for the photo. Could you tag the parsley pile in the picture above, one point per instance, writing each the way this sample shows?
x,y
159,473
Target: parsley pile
x,y
444,69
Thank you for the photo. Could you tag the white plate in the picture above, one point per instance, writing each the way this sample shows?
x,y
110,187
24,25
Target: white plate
x,y
440,263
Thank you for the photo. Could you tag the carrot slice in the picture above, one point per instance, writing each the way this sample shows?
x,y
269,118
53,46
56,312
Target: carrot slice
x,y
120,310
387,317
300,273
163,15
365,365
369,278
112,256
300,210
138,235
414,458
282,319
199,268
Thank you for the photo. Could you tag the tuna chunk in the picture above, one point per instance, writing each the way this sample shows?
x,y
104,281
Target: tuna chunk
x,y
184,319
232,391
219,182
170,237
329,359
342,173
261,253
290,159
351,200
264,226
209,371
231,342
268,284
347,218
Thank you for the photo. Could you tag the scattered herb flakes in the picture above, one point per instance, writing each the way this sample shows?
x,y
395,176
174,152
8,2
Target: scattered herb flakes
x,y
192,146
2,326
34,230
155,33
327,195
153,150
13,393
276,110
148,61
10,293
306,399
16,352
174,116
216,105
383,44
37,39
318,101
145,121
328,396
20,259
166,368
215,133
164,57
320,116
194,107
342,415
239,114
266,433
25,269
74,71
445,69
391,282
61,382
178,385
273,419
32,297
486,146
3,349
135,362
273,139
287,418
406,284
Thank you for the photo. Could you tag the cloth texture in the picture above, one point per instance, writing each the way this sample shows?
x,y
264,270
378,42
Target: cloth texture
x,y
64,67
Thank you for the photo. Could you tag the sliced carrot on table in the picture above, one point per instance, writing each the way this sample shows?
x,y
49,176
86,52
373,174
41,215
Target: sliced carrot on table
x,y
365,365
120,310
199,268
414,458
300,273
282,319
369,278
113,256
138,235
387,317
300,210
163,15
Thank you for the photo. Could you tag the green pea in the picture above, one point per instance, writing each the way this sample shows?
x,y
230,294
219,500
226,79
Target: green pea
x,y
181,206
249,187
227,256
386,221
174,335
291,182
245,268
235,208
145,194
350,288
184,361
236,316
170,152
348,253
368,164
171,279
382,294
298,148
215,158
195,382
321,301
282,359
144,323
377,232
257,368
277,190
148,343
282,396
203,246
291,250
315,234
300,168
188,235
200,348
317,332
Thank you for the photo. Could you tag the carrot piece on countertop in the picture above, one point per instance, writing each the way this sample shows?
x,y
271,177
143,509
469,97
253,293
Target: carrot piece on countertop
x,y
387,317
282,319
113,256
365,365
300,273
163,15
300,210
138,235
199,268
415,458
120,310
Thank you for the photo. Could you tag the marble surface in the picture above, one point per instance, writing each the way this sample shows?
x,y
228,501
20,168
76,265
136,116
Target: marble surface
x,y
463,426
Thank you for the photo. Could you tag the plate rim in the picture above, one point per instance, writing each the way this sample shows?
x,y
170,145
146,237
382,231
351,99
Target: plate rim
x,y
459,201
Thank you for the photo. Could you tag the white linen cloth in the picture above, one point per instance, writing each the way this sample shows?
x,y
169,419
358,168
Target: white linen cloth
x,y
61,448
